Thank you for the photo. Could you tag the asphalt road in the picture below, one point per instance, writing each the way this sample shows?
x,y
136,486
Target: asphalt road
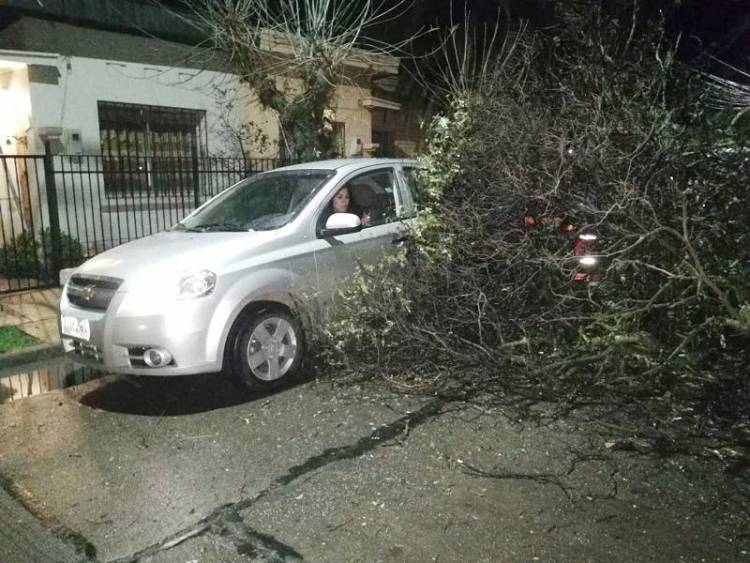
x,y
191,470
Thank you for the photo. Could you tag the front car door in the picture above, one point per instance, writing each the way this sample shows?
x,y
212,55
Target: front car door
x,y
375,193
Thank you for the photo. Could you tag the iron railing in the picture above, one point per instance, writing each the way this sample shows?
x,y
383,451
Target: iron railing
x,y
58,210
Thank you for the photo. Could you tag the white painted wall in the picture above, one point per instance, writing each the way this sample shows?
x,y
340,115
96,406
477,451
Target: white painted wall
x,y
15,105
16,203
71,105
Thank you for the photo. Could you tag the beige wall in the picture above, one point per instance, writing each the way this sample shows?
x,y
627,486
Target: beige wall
x,y
357,119
262,124
348,110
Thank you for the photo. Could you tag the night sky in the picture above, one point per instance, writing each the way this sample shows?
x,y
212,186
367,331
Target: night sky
x,y
709,28
720,28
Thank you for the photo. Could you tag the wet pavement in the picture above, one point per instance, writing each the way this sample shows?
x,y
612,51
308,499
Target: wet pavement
x,y
189,469
18,381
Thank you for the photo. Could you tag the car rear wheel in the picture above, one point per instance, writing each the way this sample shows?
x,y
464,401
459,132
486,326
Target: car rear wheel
x,y
266,349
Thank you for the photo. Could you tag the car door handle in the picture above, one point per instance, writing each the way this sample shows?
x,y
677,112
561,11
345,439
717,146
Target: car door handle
x,y
399,240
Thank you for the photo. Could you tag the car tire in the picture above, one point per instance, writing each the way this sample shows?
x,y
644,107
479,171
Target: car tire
x,y
265,349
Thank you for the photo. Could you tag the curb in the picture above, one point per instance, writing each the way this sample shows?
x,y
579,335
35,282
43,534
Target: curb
x,y
31,354
27,539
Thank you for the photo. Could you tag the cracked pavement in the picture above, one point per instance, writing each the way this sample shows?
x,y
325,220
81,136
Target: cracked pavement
x,y
168,470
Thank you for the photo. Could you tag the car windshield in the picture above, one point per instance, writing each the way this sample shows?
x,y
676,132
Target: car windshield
x,y
261,203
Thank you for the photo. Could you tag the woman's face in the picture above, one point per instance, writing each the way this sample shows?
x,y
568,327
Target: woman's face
x,y
341,201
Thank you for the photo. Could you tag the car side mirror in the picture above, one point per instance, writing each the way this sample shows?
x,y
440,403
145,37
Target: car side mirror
x,y
341,224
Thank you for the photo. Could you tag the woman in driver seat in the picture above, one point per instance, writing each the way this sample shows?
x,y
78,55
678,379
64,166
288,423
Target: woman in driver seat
x,y
342,203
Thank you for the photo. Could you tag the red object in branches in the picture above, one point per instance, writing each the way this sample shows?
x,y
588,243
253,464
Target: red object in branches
x,y
582,244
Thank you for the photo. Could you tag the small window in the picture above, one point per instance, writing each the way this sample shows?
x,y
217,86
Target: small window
x,y
339,138
411,180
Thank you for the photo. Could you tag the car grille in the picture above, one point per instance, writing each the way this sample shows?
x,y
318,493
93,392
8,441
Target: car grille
x,y
135,355
87,351
92,292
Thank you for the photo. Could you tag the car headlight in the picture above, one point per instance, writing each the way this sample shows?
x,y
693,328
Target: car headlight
x,y
196,285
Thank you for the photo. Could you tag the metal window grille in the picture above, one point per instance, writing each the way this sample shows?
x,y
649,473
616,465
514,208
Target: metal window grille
x,y
149,148
339,136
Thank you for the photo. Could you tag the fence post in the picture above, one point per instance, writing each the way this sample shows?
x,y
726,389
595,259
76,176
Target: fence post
x,y
54,213
196,181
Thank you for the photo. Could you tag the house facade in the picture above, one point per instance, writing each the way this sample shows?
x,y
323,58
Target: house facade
x,y
133,127
71,81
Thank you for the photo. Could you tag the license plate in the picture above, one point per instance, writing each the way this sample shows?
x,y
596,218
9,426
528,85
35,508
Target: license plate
x,y
75,327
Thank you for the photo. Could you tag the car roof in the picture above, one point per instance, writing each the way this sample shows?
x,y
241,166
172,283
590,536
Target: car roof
x,y
347,165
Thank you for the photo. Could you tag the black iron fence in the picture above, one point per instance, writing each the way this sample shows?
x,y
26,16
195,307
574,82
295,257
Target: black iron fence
x,y
58,210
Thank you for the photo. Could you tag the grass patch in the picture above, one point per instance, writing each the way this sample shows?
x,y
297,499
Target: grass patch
x,y
12,338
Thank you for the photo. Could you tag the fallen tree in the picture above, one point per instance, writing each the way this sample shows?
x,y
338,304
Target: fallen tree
x,y
588,128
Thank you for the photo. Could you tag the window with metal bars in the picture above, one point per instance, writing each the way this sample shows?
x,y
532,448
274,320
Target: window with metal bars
x,y
150,148
339,138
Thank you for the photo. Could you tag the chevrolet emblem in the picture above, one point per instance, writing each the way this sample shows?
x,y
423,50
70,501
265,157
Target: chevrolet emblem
x,y
85,292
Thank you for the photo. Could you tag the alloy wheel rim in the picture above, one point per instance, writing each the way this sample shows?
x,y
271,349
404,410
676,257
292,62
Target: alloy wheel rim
x,y
272,349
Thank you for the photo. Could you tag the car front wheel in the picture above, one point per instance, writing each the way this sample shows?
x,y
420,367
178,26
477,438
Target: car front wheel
x,y
266,349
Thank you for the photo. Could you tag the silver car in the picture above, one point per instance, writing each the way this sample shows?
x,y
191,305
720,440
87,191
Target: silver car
x,y
243,283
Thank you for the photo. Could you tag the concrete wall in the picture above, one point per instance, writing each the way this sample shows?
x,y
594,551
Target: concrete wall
x,y
262,122
71,103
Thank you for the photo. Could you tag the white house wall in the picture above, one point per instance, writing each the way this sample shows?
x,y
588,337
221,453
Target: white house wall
x,y
15,109
71,105
15,105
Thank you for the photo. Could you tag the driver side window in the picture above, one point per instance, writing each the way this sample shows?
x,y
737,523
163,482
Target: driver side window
x,y
373,195
370,196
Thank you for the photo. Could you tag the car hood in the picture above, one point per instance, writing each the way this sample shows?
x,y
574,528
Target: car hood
x,y
175,251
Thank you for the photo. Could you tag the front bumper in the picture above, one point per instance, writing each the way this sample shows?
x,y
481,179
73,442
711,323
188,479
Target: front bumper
x,y
118,336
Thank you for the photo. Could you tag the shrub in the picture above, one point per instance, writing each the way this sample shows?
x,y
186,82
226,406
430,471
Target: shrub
x,y
27,256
